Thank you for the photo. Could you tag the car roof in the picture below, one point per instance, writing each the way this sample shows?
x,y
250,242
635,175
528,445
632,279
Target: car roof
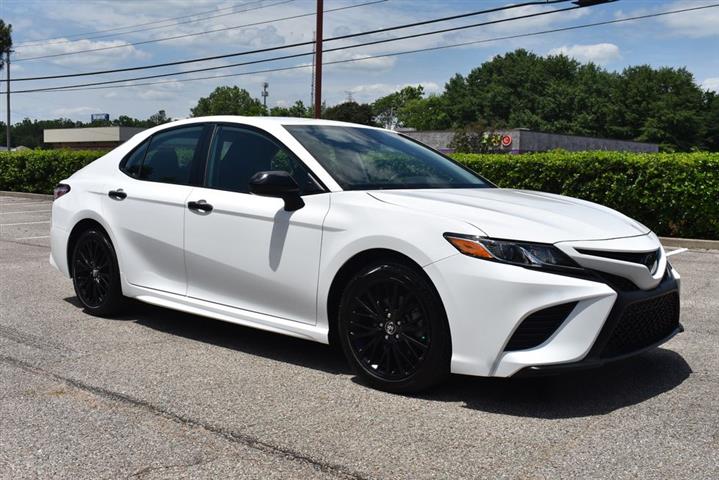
x,y
266,121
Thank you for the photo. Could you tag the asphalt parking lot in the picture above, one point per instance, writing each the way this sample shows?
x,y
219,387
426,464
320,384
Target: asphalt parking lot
x,y
162,394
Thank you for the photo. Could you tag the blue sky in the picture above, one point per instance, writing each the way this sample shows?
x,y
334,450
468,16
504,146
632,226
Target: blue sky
x,y
688,40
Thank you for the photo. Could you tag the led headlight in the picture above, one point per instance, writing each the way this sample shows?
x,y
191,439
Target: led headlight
x,y
538,255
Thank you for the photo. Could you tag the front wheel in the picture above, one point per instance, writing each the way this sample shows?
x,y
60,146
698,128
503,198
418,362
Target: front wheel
x,y
393,328
95,274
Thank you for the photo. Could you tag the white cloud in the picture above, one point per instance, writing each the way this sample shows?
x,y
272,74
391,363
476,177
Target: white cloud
x,y
156,94
711,83
369,65
74,111
600,53
373,91
694,24
698,23
124,51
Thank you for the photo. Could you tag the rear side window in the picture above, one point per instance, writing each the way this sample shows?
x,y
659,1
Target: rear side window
x,y
133,162
170,155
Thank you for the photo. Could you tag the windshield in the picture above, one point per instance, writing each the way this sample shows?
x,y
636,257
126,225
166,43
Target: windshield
x,y
368,159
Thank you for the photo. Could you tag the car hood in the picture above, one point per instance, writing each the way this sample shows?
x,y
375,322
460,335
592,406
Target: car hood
x,y
519,214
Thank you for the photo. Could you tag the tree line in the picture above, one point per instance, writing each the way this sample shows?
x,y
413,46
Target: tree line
x,y
519,89
29,133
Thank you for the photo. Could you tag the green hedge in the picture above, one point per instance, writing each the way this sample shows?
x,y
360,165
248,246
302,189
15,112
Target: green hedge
x,y
675,194
38,171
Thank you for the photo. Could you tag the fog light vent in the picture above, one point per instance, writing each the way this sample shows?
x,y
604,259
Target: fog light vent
x,y
539,326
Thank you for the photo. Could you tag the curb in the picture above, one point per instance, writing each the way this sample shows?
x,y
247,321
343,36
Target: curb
x,y
693,243
37,196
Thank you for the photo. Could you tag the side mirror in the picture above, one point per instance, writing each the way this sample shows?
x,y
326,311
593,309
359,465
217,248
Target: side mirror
x,y
277,184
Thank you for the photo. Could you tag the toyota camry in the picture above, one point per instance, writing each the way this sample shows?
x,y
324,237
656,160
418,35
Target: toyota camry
x,y
335,232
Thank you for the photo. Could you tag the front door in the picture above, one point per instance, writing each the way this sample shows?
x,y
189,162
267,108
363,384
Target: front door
x,y
247,251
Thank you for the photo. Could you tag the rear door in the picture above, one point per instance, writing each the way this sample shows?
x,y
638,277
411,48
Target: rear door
x,y
146,206
248,252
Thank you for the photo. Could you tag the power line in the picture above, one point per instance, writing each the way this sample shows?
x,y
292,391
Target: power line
x,y
406,52
341,37
47,41
252,62
204,32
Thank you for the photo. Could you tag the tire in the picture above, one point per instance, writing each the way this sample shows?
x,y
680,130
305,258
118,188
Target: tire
x,y
96,275
393,328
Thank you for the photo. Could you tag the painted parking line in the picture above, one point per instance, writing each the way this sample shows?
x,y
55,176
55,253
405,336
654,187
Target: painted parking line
x,y
23,223
26,211
26,203
32,238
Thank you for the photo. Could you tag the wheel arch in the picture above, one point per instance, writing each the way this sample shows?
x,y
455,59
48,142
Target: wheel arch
x,y
77,230
352,266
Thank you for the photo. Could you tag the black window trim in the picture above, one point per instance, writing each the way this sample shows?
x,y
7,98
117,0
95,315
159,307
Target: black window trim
x,y
196,174
270,136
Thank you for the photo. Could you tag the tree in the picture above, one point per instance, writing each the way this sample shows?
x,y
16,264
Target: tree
x,y
228,101
29,133
386,109
662,105
475,138
711,123
425,114
457,104
158,118
351,112
5,41
297,110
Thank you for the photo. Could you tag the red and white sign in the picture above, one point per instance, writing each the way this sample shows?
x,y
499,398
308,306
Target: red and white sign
x,y
506,140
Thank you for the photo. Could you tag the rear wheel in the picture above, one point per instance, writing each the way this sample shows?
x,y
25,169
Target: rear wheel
x,y
393,328
95,274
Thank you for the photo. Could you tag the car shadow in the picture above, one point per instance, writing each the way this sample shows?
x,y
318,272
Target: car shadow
x,y
577,394
236,337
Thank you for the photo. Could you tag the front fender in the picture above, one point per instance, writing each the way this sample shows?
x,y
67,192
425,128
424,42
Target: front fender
x,y
358,222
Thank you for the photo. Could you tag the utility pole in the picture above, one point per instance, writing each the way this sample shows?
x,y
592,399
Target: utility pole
x,y
312,80
7,91
318,61
265,93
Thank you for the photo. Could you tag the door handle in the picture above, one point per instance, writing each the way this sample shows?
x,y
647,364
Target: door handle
x,y
118,194
199,206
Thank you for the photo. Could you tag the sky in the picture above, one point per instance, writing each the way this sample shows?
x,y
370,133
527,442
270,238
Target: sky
x,y
51,27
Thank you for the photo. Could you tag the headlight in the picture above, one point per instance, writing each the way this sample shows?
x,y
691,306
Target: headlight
x,y
538,255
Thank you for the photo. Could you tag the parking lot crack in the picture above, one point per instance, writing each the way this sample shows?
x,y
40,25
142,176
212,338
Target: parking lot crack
x,y
34,341
250,441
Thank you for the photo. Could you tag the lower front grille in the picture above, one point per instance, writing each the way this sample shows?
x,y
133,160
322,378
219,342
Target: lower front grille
x,y
643,324
538,327
620,284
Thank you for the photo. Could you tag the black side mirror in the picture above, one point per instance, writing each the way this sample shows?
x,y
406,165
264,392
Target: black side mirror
x,y
278,184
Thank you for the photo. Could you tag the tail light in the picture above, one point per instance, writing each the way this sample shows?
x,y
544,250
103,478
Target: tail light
x,y
60,190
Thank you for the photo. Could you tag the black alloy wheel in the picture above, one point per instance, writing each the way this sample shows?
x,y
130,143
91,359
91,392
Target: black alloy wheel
x,y
393,328
95,274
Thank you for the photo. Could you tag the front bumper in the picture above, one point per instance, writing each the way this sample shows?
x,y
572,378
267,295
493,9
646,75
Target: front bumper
x,y
610,346
486,302
589,363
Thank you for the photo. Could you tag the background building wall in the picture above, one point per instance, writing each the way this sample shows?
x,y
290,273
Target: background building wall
x,y
524,141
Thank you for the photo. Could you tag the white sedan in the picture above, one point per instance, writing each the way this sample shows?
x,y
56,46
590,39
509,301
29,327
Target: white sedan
x,y
335,232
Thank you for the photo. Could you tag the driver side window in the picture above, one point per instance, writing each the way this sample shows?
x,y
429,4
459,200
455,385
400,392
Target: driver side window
x,y
238,153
